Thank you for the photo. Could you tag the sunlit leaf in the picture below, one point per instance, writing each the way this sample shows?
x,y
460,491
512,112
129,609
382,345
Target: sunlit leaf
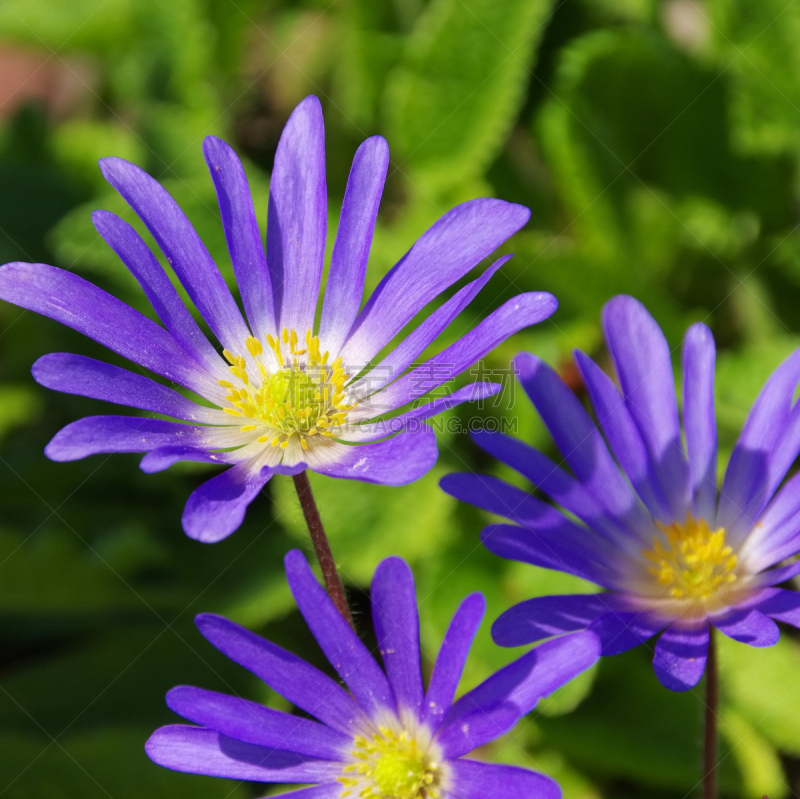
x,y
458,88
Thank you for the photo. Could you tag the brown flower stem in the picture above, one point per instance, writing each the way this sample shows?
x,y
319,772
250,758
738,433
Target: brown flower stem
x,y
711,714
333,583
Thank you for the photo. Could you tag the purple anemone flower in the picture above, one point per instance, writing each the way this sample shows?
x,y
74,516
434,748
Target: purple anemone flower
x,y
286,394
647,522
387,738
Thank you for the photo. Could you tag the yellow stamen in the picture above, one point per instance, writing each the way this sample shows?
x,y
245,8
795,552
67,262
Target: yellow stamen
x,y
300,401
254,346
696,563
391,765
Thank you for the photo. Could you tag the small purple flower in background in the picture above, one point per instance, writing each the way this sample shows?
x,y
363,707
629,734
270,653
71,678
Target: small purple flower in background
x,y
647,523
387,738
285,397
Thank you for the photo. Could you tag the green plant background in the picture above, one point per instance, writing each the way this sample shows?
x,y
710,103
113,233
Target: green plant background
x,y
657,145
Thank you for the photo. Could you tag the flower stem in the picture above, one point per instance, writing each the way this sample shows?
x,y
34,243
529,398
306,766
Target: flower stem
x,y
333,583
712,710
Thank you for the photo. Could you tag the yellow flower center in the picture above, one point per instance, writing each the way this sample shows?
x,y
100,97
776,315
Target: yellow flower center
x,y
696,562
304,397
390,765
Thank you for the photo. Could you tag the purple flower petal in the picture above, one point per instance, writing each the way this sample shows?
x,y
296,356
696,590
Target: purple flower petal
x,y
217,507
298,217
642,359
445,253
620,631
624,437
252,723
547,539
396,622
699,419
475,727
93,435
78,304
498,497
773,405
581,444
412,421
290,470
780,604
287,675
777,576
242,234
521,311
524,682
451,658
745,490
405,353
749,626
472,779
199,751
182,247
556,544
76,374
680,657
345,284
162,458
397,461
785,451
332,790
163,296
563,489
343,648
776,536
545,616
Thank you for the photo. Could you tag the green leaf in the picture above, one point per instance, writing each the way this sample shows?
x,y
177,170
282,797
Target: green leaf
x,y
633,728
77,243
366,61
629,113
627,10
756,43
119,676
19,405
84,24
80,143
52,574
761,686
740,376
635,136
95,765
573,784
759,763
452,100
707,225
372,46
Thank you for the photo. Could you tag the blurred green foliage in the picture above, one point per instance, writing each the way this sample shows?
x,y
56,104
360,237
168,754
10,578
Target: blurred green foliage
x,y
657,144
